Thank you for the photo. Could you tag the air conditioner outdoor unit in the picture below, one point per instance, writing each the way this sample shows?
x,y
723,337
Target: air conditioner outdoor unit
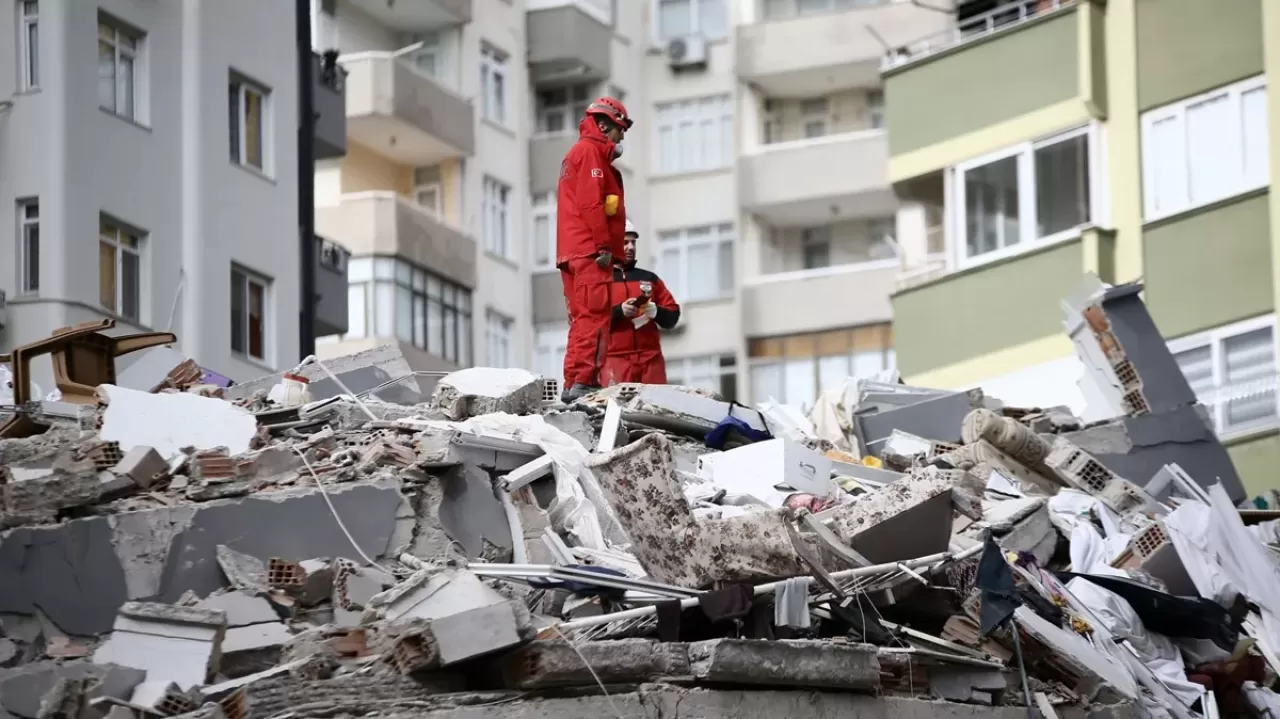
x,y
687,51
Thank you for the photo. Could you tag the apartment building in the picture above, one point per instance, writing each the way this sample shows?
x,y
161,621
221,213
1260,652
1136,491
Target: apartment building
x,y
767,206
757,173
148,174
1128,138
431,197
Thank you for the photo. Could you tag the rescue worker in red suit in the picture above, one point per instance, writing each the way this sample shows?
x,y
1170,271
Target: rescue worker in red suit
x,y
641,305
590,221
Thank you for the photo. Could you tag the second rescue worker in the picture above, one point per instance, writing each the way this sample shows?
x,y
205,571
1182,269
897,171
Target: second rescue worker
x,y
590,222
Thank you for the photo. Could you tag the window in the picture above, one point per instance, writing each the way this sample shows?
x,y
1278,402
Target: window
x,y
29,43
429,58
120,269
28,246
875,108
717,374
426,189
677,18
119,51
493,83
497,335
497,228
1233,372
559,109
549,343
618,93
1205,149
783,9
694,134
544,231
1023,196
389,297
815,247
697,263
248,109
793,370
814,114
249,314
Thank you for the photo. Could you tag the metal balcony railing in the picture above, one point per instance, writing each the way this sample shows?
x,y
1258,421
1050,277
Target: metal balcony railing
x,y
332,255
1003,17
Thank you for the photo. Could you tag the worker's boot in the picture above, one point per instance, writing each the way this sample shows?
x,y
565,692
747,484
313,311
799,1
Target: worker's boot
x,y
576,392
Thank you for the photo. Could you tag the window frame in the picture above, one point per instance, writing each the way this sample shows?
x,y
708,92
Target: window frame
x,y
28,51
888,360
1235,93
438,208
496,218
244,87
497,338
495,63
660,39
543,205
550,343
721,234
136,78
572,108
426,289
681,368
1027,213
1215,339
119,250
253,279
676,114
28,282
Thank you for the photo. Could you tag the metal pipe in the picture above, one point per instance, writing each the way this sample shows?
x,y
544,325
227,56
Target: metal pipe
x,y
306,181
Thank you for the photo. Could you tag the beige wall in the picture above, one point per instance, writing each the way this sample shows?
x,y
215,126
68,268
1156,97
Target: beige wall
x,y
364,170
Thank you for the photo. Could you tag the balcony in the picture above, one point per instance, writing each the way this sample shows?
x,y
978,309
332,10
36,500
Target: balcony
x,y
938,88
330,81
417,15
841,296
331,287
816,54
808,182
546,151
569,41
383,223
403,114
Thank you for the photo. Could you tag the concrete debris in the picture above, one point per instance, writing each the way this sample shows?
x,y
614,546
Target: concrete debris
x,y
210,554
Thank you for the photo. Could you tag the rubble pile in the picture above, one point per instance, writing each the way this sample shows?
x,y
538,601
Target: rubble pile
x,y
332,542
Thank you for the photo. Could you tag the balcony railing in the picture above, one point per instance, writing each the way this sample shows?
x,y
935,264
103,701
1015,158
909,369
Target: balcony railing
x,y
332,255
332,75
1001,18
930,267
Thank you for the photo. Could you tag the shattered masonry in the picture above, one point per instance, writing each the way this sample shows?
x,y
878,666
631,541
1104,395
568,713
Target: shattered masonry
x,y
169,548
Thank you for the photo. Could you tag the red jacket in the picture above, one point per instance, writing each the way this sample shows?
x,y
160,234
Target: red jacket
x,y
591,216
625,337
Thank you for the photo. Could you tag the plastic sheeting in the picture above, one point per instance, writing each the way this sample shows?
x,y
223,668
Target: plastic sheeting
x,y
579,507
1091,554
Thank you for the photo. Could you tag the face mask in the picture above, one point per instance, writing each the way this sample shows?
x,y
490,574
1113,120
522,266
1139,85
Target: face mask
x,y
617,150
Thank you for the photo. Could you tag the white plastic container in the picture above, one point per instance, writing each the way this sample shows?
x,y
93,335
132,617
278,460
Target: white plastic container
x,y
292,391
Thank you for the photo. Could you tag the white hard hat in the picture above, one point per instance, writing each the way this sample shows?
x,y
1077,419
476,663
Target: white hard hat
x,y
631,229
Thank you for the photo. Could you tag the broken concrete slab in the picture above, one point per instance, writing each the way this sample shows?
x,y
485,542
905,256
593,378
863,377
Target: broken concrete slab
x,y
170,422
241,608
21,689
432,594
481,631
171,644
241,570
486,390
903,520
79,573
815,664
556,663
143,465
677,410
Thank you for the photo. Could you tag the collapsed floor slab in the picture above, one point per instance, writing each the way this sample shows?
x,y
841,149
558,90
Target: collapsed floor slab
x,y
80,572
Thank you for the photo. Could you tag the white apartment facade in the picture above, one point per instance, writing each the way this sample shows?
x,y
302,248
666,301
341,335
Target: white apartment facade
x,y
757,173
148,174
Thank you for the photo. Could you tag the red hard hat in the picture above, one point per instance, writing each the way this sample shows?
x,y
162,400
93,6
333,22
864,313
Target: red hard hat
x,y
612,109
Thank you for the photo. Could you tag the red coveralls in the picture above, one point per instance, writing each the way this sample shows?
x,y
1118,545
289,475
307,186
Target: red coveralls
x,y
635,353
590,219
